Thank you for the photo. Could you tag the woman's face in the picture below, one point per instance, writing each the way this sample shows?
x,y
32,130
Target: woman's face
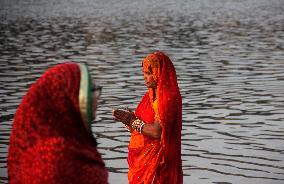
x,y
149,79
94,105
96,93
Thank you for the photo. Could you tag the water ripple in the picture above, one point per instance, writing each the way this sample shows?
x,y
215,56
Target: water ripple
x,y
228,57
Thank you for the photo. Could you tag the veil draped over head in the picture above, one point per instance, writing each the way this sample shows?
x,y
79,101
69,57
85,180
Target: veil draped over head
x,y
51,141
161,159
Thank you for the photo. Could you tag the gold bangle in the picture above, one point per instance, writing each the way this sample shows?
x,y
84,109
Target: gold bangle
x,y
137,125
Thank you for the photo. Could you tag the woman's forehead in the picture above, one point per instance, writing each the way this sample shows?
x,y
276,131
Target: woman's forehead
x,y
147,69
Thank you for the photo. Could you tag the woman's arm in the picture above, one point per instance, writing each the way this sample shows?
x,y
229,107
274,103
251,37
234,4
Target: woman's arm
x,y
153,130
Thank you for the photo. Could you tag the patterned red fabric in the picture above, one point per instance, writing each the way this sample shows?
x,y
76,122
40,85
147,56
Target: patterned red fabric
x,y
153,160
49,143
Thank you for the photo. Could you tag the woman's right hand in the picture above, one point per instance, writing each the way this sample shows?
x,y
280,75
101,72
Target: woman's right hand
x,y
124,116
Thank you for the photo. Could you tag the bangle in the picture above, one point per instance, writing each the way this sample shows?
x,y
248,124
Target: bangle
x,y
141,126
137,125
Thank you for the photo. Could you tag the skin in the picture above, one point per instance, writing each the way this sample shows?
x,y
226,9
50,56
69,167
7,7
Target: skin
x,y
94,105
94,102
149,79
153,130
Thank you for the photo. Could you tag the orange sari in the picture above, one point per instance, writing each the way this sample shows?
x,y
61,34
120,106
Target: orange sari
x,y
158,160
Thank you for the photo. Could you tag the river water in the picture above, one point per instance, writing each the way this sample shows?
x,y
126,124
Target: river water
x,y
229,60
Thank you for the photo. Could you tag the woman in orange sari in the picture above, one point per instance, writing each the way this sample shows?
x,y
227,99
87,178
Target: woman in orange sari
x,y
155,146
51,141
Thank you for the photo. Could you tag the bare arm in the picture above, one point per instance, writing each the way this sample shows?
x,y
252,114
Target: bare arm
x,y
153,130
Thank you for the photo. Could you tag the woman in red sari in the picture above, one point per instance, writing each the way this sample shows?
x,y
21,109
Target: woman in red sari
x,y
51,141
155,145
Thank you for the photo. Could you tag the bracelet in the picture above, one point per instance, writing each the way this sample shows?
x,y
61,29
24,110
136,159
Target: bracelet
x,y
141,126
137,125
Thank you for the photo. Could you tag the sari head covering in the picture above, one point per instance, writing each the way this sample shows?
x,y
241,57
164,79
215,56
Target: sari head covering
x,y
51,140
158,160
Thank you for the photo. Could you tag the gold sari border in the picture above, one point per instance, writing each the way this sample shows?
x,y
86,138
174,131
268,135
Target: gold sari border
x,y
85,98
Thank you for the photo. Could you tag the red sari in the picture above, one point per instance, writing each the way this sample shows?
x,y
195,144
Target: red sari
x,y
158,160
49,143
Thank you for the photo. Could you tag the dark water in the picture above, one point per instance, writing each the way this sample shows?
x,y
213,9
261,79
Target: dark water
x,y
230,64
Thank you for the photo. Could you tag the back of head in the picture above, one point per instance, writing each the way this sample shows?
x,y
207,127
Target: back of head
x,y
49,142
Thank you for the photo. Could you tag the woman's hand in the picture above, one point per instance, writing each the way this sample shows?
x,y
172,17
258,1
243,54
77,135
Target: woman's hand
x,y
124,116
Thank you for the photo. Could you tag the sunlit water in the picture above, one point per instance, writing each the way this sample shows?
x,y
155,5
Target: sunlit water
x,y
229,60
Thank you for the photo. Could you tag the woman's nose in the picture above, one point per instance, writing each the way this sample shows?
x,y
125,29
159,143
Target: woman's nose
x,y
145,77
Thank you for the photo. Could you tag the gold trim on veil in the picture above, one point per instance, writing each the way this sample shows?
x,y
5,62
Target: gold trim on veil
x,y
85,98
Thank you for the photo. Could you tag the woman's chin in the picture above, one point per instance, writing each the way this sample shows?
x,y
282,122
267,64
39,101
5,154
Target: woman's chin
x,y
148,85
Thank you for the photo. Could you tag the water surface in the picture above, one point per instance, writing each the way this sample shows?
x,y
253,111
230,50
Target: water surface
x,y
229,60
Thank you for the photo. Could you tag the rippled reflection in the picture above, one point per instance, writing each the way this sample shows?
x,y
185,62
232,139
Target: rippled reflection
x,y
229,61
